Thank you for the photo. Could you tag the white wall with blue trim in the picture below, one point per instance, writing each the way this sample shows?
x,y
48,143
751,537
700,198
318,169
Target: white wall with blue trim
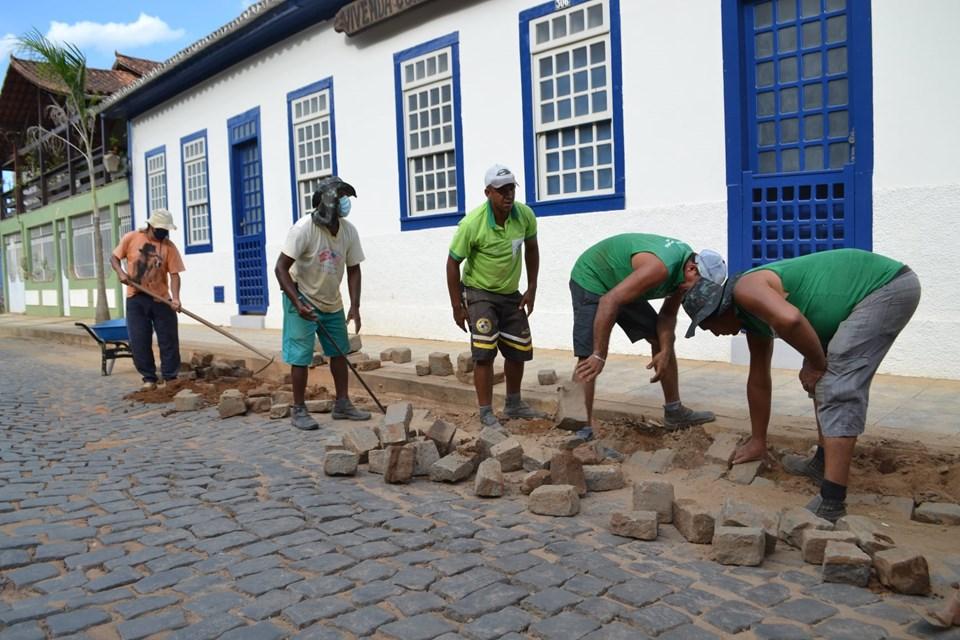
x,y
674,160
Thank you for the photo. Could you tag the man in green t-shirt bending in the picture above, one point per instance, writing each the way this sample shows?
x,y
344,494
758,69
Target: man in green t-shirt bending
x,y
490,239
841,310
611,283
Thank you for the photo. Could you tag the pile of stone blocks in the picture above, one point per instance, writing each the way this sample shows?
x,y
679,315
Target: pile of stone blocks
x,y
204,366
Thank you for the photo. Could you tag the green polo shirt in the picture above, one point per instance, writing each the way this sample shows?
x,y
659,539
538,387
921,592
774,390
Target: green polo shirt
x,y
608,263
493,252
825,287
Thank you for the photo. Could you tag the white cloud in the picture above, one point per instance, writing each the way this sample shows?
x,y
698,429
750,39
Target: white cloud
x,y
110,36
8,44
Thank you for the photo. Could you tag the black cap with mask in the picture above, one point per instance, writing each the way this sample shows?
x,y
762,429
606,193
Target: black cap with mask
x,y
326,199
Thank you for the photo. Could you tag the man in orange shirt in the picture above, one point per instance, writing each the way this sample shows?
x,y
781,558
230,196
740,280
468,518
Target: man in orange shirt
x,y
152,259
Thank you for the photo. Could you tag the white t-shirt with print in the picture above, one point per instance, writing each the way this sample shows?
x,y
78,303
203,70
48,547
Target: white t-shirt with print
x,y
319,259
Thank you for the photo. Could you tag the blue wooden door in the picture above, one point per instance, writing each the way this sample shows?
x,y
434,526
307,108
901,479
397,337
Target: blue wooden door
x,y
800,123
246,177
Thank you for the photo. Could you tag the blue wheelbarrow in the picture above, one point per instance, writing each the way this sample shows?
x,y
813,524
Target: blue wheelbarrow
x,y
113,339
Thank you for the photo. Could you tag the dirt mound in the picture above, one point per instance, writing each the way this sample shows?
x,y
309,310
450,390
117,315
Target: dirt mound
x,y
628,436
892,470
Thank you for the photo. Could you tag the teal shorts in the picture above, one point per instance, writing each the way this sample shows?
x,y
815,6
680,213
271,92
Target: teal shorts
x,y
300,335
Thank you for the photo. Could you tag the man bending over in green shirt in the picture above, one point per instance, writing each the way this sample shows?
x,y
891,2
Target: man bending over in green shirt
x,y
841,310
491,239
611,283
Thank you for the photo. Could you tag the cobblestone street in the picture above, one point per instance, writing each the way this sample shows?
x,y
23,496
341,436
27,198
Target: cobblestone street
x,y
118,522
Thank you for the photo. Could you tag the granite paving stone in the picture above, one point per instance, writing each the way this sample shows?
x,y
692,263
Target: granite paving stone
x,y
148,625
146,604
492,598
657,618
23,631
551,601
415,578
410,604
28,575
498,623
270,604
208,628
732,619
364,622
780,632
322,586
689,632
543,576
639,593
463,584
566,626
421,627
63,624
306,612
602,609
258,631
848,629
805,610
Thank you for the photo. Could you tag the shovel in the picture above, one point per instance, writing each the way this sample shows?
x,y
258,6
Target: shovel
x,y
207,324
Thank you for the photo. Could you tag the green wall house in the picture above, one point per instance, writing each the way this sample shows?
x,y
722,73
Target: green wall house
x,y
47,236
48,256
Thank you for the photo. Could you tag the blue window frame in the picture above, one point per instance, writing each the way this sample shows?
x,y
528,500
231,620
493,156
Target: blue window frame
x,y
799,119
195,183
429,133
313,141
155,161
570,71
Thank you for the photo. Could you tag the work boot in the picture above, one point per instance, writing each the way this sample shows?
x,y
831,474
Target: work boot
x,y
301,418
829,510
344,410
803,466
685,417
521,410
148,385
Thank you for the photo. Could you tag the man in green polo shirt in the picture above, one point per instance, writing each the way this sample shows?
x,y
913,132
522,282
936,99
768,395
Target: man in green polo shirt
x,y
611,283
491,239
841,310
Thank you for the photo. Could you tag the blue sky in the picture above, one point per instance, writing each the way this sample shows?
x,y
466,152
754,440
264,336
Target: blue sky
x,y
153,29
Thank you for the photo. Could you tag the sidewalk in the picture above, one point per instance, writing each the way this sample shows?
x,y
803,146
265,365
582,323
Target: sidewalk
x,y
900,407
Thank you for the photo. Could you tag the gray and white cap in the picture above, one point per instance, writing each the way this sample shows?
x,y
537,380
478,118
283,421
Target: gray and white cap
x,y
711,266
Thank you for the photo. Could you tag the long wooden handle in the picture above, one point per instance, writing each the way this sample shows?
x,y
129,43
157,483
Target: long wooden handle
x,y
200,320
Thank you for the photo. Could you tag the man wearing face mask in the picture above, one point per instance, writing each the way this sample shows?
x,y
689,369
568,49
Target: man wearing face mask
x,y
152,259
310,269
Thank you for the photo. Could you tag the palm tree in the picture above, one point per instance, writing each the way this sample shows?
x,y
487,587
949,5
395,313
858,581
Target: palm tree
x,y
67,66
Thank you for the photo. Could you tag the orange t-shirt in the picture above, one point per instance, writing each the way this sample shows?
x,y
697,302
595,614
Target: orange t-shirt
x,y
149,262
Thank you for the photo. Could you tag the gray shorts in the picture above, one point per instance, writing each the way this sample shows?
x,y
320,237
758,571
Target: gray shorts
x,y
638,319
856,351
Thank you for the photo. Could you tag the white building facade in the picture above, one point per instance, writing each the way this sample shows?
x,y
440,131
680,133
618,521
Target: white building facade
x,y
761,129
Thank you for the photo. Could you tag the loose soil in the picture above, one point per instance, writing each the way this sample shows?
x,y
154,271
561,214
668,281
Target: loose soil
x,y
886,468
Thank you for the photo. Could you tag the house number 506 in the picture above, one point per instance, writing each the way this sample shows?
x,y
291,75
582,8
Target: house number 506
x,y
561,4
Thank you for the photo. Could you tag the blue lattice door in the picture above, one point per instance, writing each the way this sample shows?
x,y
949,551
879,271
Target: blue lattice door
x,y
804,100
248,215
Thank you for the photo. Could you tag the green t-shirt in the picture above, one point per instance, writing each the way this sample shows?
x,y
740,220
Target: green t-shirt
x,y
607,263
493,252
825,287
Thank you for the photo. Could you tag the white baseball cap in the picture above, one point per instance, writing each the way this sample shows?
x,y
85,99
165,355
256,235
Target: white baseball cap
x,y
498,176
711,266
